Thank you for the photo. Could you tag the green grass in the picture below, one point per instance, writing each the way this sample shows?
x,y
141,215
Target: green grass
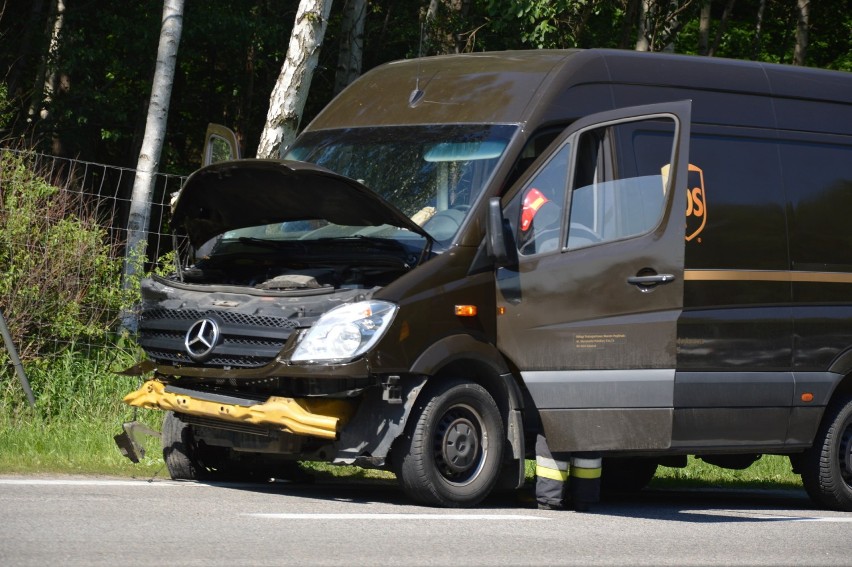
x,y
768,472
79,410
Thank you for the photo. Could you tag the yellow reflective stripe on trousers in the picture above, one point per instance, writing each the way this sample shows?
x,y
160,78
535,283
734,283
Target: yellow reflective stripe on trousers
x,y
577,472
553,474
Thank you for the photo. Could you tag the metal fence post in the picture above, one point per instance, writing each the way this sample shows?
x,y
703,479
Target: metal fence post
x,y
16,361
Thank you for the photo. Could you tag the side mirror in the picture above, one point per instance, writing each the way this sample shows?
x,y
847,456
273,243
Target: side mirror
x,y
495,233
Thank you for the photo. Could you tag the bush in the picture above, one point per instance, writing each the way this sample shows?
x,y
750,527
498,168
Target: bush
x,y
60,276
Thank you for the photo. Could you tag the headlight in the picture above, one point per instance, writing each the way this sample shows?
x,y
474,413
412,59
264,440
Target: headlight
x,y
345,331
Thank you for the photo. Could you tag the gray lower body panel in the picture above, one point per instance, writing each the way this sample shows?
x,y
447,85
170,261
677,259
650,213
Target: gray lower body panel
x,y
580,389
601,410
610,429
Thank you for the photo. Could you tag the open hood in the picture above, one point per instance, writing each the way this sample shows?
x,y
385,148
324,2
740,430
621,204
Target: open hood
x,y
238,194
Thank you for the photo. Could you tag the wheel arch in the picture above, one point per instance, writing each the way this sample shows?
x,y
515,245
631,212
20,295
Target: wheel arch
x,y
463,356
841,365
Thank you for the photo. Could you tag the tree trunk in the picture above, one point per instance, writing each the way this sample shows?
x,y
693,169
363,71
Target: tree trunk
x,y
429,30
152,142
47,79
704,28
351,54
758,29
723,23
803,8
642,43
291,89
462,8
630,15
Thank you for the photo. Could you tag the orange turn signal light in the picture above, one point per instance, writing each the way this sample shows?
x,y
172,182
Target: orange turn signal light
x,y
466,310
807,397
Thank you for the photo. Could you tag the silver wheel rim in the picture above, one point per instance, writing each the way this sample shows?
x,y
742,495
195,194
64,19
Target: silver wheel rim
x,y
460,445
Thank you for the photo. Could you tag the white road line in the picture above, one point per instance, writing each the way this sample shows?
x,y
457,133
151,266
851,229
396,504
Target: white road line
x,y
92,482
380,516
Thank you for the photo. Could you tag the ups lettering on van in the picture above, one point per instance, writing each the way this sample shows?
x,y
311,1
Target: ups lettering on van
x,y
696,203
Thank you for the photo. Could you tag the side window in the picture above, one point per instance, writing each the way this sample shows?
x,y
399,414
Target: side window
x,y
619,185
542,202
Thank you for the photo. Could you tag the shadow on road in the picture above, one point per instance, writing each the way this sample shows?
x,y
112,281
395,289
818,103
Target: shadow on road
x,y
700,505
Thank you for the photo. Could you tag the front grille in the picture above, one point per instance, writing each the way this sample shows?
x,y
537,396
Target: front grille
x,y
225,316
246,341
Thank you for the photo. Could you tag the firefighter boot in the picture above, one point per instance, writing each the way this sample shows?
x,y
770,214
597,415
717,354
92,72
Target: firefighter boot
x,y
585,480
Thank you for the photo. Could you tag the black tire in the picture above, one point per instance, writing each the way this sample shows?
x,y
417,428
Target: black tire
x,y
179,450
452,451
826,467
630,474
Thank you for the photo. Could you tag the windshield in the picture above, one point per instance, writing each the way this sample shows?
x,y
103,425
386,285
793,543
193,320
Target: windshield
x,y
433,174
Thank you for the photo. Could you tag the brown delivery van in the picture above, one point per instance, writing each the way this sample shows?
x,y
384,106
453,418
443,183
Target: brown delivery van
x,y
644,256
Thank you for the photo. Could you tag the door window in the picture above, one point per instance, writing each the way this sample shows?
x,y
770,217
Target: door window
x,y
619,186
542,205
619,183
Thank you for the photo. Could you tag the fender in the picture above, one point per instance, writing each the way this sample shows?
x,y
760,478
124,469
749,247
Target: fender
x,y
458,347
842,363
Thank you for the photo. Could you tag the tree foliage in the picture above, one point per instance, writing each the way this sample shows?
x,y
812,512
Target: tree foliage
x,y
232,51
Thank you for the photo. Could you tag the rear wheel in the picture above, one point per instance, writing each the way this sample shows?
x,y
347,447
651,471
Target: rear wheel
x,y
826,467
453,448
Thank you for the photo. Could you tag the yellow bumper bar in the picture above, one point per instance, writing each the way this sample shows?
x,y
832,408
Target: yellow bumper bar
x,y
315,418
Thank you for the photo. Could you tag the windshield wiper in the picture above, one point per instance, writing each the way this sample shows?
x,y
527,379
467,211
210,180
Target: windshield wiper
x,y
262,242
388,243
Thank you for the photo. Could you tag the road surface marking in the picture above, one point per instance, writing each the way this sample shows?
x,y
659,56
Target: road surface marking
x,y
92,482
380,516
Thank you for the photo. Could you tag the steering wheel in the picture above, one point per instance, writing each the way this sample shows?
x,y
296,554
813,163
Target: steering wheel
x,y
580,231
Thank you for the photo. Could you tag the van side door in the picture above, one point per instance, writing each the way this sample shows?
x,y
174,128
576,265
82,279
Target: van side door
x,y
589,303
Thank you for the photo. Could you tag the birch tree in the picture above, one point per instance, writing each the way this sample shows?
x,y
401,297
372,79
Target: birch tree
x,y
704,28
758,30
155,130
47,79
351,55
803,8
294,81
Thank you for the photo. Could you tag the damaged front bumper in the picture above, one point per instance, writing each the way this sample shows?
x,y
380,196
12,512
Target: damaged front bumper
x,y
322,418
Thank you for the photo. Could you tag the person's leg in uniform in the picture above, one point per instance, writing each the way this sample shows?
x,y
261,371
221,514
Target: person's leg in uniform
x,y
585,480
551,475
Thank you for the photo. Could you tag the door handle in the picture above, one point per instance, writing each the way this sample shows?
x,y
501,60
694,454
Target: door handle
x,y
652,280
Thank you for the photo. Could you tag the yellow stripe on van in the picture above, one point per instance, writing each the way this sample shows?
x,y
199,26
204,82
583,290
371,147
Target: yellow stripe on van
x,y
766,276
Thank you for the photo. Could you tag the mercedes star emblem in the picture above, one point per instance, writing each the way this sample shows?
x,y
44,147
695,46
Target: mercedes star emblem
x,y
201,339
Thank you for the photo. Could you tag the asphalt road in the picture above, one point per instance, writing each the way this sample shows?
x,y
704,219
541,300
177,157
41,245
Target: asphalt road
x,y
94,521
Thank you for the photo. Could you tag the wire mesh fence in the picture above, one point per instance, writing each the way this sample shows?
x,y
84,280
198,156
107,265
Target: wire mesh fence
x,y
63,233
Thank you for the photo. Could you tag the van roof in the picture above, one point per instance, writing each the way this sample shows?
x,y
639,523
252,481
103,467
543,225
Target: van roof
x,y
513,86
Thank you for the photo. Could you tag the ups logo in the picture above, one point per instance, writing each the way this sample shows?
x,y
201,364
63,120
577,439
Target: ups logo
x,y
696,204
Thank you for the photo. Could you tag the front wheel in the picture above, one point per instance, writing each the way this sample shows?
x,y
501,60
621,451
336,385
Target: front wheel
x,y
180,451
826,467
453,447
